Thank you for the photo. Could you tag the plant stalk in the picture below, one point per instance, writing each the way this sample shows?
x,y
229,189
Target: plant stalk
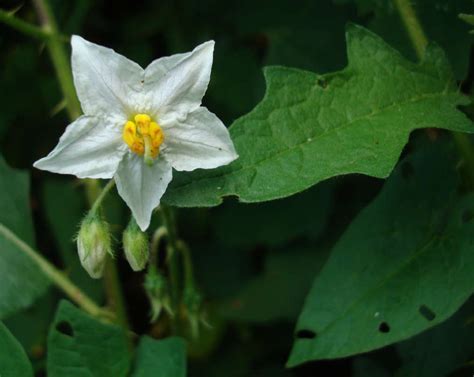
x,y
28,29
59,58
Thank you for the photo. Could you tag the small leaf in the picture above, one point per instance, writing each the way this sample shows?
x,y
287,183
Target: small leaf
x,y
160,358
22,281
309,128
13,360
80,346
405,264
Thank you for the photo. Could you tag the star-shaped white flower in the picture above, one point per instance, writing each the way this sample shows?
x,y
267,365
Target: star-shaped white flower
x,y
138,123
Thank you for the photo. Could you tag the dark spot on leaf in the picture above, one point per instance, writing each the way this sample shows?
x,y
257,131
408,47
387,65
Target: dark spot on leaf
x,y
384,328
65,328
407,170
142,81
467,215
322,83
427,312
305,334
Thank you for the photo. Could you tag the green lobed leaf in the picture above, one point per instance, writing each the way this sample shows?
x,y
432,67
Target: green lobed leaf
x,y
22,281
309,127
405,264
13,359
160,358
80,346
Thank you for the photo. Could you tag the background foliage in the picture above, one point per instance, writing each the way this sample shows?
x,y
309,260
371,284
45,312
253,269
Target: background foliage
x,y
373,274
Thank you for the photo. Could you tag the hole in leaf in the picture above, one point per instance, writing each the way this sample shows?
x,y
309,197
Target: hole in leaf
x,y
65,328
407,170
467,215
305,334
427,312
384,328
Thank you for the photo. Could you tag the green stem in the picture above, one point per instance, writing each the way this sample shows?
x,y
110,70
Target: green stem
x,y
62,67
56,276
187,263
158,235
419,41
59,57
28,29
113,290
116,300
100,198
413,26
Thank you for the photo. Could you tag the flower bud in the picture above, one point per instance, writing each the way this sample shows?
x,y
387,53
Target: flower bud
x,y
136,246
156,288
193,302
93,244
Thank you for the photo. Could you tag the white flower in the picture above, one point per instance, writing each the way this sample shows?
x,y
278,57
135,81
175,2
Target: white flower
x,y
138,123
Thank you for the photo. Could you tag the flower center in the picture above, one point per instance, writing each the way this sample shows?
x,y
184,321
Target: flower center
x,y
143,136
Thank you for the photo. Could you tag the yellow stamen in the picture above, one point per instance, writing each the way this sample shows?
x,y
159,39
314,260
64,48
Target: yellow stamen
x,y
143,136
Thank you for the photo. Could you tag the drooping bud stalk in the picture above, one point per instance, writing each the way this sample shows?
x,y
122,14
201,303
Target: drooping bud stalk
x,y
136,246
156,288
93,244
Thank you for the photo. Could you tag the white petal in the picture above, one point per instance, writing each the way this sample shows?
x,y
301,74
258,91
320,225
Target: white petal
x,y
200,141
141,186
107,83
90,147
175,86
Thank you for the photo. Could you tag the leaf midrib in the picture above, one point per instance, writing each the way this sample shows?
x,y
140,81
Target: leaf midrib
x,y
317,137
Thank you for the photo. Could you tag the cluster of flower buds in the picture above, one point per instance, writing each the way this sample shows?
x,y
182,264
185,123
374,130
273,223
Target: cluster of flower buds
x,y
94,243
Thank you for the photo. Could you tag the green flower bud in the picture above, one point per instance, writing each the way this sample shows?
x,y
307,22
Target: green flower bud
x,y
136,246
156,288
193,302
93,244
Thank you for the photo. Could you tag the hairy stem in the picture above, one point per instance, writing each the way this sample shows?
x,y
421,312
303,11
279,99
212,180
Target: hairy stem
x,y
56,276
112,286
28,29
419,41
101,196
59,57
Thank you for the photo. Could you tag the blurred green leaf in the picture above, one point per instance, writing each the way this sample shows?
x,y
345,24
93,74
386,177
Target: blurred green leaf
x,y
309,128
80,346
451,342
405,264
30,327
274,223
440,22
160,358
22,281
13,360
279,293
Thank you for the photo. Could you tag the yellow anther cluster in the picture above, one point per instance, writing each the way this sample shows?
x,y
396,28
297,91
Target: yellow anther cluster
x,y
143,136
